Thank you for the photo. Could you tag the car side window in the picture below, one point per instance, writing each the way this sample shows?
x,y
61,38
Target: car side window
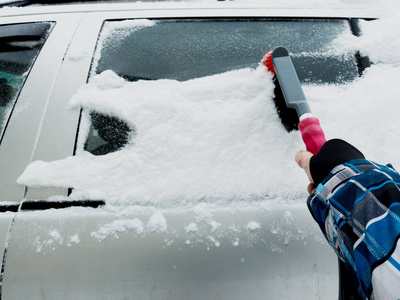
x,y
108,134
20,44
187,49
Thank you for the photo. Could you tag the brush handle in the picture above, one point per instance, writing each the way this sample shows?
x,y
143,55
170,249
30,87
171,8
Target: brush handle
x,y
312,134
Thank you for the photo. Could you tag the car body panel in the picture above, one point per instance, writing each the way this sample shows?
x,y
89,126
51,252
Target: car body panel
x,y
5,223
58,118
26,120
225,254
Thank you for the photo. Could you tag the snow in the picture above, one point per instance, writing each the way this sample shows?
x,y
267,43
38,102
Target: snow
x,y
195,140
51,240
253,226
74,239
213,241
56,236
118,226
157,223
192,227
218,139
77,54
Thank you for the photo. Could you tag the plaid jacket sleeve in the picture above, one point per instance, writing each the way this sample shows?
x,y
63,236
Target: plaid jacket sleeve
x,y
357,207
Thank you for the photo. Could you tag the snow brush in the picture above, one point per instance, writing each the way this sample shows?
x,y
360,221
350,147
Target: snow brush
x,y
290,100
295,113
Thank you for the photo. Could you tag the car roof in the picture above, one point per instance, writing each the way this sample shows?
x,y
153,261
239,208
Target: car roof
x,y
198,9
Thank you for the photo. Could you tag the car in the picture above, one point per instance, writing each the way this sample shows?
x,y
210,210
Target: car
x,y
132,151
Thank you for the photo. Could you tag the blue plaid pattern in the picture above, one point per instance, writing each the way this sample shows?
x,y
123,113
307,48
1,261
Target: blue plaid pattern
x,y
357,207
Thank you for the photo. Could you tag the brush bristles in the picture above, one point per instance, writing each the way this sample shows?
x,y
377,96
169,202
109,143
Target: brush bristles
x,y
267,61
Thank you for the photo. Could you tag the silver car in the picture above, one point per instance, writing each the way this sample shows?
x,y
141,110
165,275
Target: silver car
x,y
115,186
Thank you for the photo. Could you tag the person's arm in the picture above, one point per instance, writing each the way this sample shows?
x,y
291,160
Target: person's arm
x,y
356,203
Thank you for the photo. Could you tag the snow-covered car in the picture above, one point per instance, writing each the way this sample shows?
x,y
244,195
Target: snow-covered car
x,y
142,156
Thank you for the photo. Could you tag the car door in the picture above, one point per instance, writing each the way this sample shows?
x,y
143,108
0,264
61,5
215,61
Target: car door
x,y
30,56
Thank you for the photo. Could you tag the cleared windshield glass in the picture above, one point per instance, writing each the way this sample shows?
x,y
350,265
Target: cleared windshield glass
x,y
19,46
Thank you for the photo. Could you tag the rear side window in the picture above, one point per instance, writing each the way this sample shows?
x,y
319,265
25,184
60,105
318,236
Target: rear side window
x,y
187,49
19,46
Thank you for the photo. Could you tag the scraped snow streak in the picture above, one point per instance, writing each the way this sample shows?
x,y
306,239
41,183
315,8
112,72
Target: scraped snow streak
x,y
219,138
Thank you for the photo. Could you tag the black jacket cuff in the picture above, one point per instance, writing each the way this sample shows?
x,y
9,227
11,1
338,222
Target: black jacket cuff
x,y
334,152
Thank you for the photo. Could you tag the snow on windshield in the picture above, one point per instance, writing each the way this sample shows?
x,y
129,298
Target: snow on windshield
x,y
219,139
194,140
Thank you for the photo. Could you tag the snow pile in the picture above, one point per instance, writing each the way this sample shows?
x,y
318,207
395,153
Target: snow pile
x,y
157,223
219,139
195,140
118,226
253,226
